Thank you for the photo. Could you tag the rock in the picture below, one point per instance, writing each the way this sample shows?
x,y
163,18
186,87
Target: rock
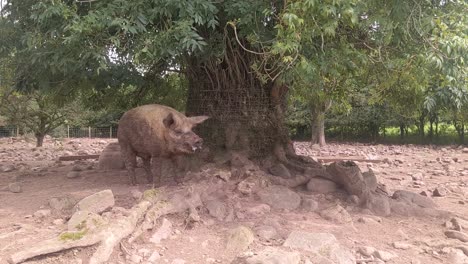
x,y
336,214
309,204
77,168
85,220
378,204
384,255
425,193
239,239
62,203
110,158
457,235
163,232
266,232
42,213
257,211
280,170
280,197
58,222
368,220
136,258
321,185
73,174
136,194
413,198
312,242
401,245
216,209
366,251
178,261
224,175
15,187
323,244
154,257
271,255
465,150
456,256
246,187
354,199
96,203
440,192
417,176
8,168
459,224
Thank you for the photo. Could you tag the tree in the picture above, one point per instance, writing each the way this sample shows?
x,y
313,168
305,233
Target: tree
x,y
238,57
37,112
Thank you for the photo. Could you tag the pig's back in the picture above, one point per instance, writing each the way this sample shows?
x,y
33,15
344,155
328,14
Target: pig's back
x,y
142,128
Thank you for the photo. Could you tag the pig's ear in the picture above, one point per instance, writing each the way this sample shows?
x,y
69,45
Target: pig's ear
x,y
169,121
198,119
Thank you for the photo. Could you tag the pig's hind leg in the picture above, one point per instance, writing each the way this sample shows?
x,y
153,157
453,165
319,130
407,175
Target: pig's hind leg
x,y
147,167
129,157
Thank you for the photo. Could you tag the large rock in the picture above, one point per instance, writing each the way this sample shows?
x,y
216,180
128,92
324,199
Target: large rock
x,y
321,185
62,203
413,198
379,204
272,255
110,158
239,239
336,214
96,203
280,197
323,244
84,220
312,242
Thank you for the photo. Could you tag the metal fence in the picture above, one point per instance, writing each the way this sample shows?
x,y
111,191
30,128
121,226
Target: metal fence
x,y
67,132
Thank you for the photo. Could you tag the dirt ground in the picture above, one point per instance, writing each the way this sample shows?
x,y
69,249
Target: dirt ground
x,y
25,219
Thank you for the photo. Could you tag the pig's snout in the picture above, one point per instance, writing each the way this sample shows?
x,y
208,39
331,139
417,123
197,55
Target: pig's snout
x,y
198,144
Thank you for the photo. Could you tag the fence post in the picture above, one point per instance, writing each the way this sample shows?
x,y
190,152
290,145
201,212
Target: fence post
x,y
17,131
68,131
110,132
89,132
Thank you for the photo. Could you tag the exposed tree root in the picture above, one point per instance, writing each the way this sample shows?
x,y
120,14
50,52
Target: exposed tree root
x,y
108,237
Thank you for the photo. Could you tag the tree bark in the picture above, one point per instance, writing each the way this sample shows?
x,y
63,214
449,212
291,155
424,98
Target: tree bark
x,y
318,111
422,120
402,131
318,129
246,115
39,139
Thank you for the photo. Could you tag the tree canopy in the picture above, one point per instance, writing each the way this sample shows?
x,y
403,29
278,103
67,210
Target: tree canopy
x,y
407,56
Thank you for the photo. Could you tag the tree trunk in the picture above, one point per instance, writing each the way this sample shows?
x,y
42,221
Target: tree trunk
x,y
39,139
422,120
431,130
402,131
318,129
246,115
318,111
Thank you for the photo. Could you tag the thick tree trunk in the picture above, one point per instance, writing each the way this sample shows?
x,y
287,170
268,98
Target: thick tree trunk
x,y
318,129
246,115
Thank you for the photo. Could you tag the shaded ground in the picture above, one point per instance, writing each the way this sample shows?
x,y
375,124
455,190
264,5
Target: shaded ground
x,y
413,168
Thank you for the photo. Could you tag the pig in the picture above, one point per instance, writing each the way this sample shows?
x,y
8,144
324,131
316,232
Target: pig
x,y
156,132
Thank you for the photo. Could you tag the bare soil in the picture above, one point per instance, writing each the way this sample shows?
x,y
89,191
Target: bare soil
x,y
409,167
